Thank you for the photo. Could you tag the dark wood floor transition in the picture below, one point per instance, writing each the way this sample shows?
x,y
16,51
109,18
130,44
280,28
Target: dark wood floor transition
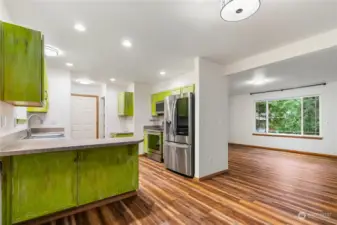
x,y
262,187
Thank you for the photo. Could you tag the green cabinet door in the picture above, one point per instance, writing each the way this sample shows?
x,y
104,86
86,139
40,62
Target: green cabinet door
x,y
125,104
121,103
21,73
45,104
105,172
154,98
163,95
129,104
43,184
146,150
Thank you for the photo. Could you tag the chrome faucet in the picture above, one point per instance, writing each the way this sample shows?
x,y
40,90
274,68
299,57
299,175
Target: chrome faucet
x,y
29,130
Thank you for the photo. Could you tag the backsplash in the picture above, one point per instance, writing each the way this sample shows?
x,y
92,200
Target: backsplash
x,y
7,122
157,121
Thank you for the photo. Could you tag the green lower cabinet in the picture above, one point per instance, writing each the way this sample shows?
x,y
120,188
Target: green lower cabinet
x,y
106,172
121,135
145,142
43,184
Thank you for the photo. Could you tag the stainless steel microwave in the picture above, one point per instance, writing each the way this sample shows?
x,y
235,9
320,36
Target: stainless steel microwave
x,y
160,108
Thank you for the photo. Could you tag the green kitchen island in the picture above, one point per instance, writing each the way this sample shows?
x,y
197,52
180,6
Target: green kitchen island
x,y
47,177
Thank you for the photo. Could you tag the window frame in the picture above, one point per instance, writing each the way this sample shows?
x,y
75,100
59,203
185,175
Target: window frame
x,y
302,135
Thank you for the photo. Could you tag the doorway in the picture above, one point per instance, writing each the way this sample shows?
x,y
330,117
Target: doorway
x,y
84,116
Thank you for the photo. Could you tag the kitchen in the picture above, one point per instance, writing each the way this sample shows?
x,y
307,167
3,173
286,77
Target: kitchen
x,y
48,141
107,118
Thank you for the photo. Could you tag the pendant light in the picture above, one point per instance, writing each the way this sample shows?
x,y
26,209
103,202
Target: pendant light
x,y
237,10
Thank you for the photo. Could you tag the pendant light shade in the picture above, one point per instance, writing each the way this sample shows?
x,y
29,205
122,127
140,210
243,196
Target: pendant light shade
x,y
236,10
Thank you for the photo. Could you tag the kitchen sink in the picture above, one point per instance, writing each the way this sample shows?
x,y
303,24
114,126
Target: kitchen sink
x,y
45,133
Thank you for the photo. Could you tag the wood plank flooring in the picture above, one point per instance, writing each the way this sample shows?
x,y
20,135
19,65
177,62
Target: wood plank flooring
x,y
262,187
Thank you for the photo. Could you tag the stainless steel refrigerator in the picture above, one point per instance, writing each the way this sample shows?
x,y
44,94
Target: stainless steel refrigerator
x,y
179,133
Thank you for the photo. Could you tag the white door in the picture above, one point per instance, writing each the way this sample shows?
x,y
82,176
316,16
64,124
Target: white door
x,y
83,117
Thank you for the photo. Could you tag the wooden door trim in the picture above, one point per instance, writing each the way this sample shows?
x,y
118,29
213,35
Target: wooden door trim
x,y
97,109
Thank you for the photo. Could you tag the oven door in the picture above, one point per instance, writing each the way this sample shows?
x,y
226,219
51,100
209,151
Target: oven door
x,y
155,145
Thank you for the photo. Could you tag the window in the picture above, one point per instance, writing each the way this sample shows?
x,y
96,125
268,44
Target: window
x,y
296,116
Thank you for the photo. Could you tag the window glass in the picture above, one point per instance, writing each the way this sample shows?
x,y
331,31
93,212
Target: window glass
x,y
261,117
285,116
311,116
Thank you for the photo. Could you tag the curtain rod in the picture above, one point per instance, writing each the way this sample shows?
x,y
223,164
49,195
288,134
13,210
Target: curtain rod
x,y
287,89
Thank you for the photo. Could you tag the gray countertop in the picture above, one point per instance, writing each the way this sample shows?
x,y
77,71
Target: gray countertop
x,y
158,128
24,147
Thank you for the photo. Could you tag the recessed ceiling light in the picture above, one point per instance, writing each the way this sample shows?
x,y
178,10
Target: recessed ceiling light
x,y
127,43
112,79
70,64
79,27
84,81
162,73
52,51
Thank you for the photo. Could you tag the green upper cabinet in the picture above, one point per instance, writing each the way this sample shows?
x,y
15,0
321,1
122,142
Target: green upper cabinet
x,y
43,184
157,97
45,106
21,65
154,100
163,95
125,104
176,91
187,89
107,169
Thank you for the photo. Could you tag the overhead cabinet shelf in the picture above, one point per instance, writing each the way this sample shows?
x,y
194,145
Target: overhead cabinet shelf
x,y
21,66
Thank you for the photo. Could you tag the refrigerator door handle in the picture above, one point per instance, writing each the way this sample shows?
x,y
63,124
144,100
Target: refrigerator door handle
x,y
174,117
177,145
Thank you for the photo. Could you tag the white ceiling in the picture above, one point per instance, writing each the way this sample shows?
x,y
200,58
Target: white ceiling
x,y
166,34
304,70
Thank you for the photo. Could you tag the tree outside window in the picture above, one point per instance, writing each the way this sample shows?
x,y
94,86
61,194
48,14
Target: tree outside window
x,y
296,116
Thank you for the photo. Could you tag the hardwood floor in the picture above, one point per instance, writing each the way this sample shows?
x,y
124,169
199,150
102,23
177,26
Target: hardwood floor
x,y
262,187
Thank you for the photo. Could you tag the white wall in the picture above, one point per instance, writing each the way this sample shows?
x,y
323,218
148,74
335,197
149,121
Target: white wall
x,y
113,122
242,121
180,81
3,12
142,110
97,89
7,112
59,84
211,119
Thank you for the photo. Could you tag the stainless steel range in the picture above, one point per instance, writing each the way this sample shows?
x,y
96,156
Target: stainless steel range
x,y
179,133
